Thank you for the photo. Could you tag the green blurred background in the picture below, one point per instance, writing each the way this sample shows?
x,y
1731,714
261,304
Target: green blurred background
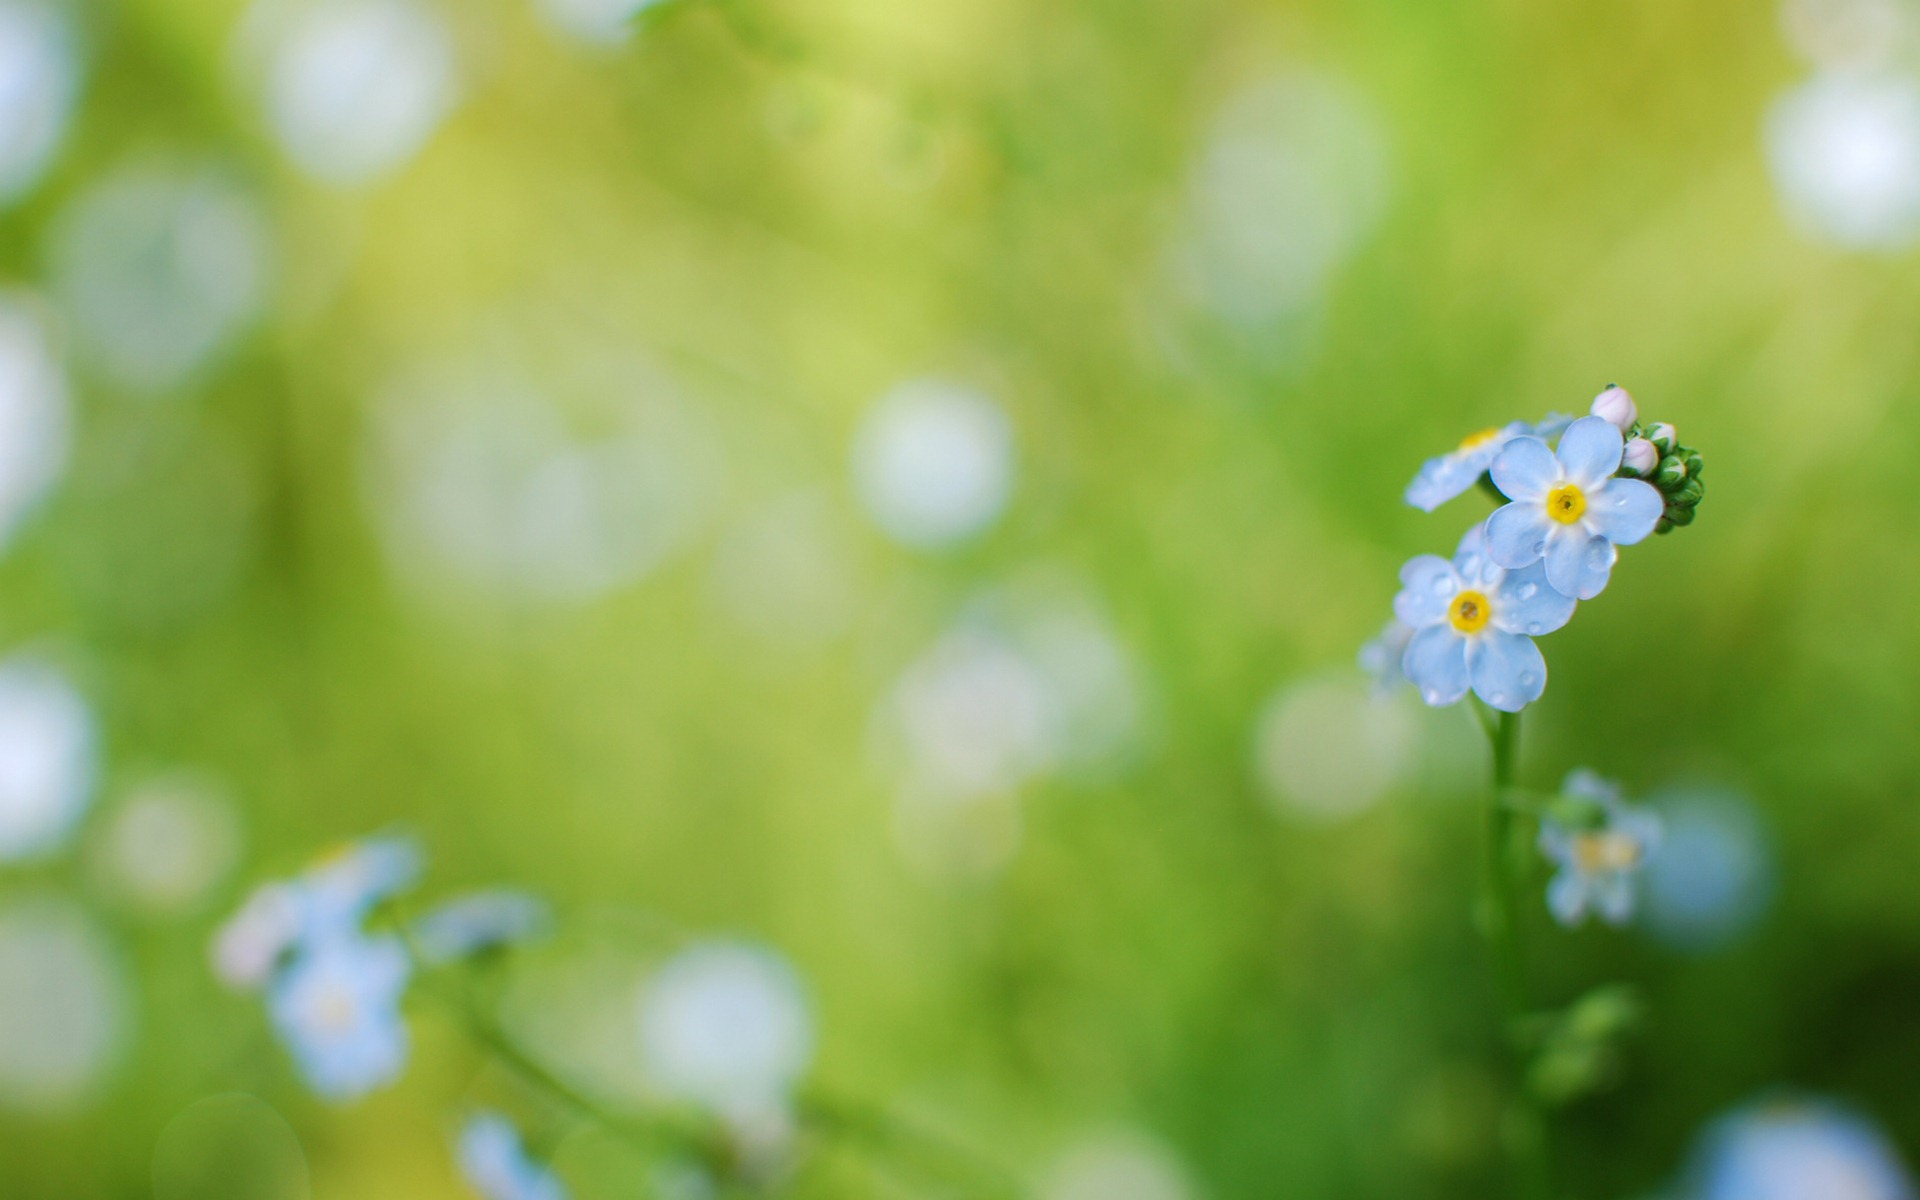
x,y
1231,271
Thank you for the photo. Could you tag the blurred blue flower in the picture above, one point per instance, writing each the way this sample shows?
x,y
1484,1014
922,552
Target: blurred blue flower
x,y
1796,1150
1474,625
1714,876
1441,479
1598,852
478,922
1568,509
1380,658
495,1162
337,1007
339,890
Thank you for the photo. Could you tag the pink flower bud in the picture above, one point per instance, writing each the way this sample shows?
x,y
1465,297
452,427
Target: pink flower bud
x,y
1616,406
1641,457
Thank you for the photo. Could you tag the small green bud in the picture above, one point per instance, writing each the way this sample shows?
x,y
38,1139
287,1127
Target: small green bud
x,y
1691,492
1670,474
1663,436
1695,464
1663,526
1679,516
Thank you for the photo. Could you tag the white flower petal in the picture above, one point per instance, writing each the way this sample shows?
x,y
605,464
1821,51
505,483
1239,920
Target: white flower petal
x,y
1525,469
1590,451
1507,669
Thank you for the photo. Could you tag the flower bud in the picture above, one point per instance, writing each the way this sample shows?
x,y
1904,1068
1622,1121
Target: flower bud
x,y
1616,406
1663,526
1691,493
1663,437
1640,459
1695,464
1680,516
1670,474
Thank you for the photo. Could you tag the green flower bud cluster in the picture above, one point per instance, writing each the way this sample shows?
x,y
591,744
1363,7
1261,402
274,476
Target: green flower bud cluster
x,y
1577,1050
1672,467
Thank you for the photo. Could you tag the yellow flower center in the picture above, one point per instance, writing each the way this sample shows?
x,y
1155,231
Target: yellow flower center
x,y
1566,504
1470,612
1596,852
1474,441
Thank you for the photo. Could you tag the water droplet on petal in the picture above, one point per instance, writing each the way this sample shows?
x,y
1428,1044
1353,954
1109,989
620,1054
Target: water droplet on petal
x,y
1442,586
1536,628
1528,679
1529,590
1432,696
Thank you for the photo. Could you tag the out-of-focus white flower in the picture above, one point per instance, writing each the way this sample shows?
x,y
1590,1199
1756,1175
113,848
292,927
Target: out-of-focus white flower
x,y
601,22
1118,1167
1331,748
64,1002
1714,875
1797,1150
39,78
786,572
934,462
1292,180
1845,153
1029,680
159,269
34,427
1846,34
726,1026
479,477
169,843
46,758
353,88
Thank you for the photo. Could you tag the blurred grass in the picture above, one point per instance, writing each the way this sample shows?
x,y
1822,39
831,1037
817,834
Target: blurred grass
x,y
1577,195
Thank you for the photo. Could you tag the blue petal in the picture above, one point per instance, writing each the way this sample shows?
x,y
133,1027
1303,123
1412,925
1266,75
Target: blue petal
x,y
1567,897
1624,511
1579,563
1441,479
1526,603
1507,669
1517,534
1428,584
1526,469
1612,897
1436,665
1590,451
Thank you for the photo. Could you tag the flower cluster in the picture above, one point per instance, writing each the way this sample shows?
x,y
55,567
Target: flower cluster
x,y
1469,624
333,988
333,984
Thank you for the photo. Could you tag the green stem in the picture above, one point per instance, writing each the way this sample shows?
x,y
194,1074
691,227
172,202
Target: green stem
x,y
1527,1126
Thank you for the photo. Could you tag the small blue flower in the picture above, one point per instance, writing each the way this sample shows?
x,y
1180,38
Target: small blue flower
x,y
496,1163
337,1007
1568,509
1474,625
1598,854
478,922
1443,478
1797,1150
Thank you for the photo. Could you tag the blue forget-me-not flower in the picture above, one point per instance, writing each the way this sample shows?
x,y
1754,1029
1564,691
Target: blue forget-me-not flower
x,y
1442,478
1599,844
337,1007
1568,509
1474,623
496,1163
1786,1149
